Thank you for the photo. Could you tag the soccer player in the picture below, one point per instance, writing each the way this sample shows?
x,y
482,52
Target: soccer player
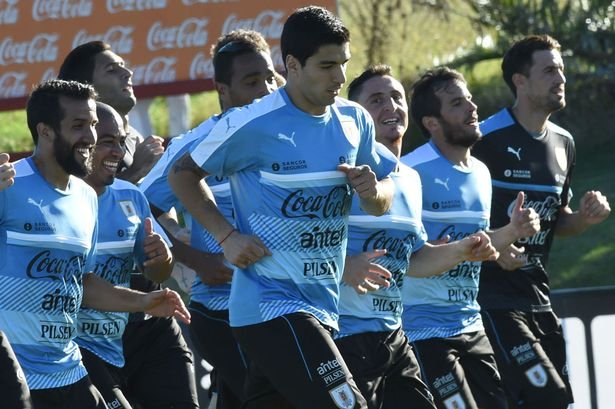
x,y
48,220
441,314
371,339
95,63
126,241
525,151
243,71
293,159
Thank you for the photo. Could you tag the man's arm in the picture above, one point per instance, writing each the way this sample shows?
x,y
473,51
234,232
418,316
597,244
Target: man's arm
x,y
102,295
594,208
145,157
185,180
524,222
375,195
435,259
210,267
363,274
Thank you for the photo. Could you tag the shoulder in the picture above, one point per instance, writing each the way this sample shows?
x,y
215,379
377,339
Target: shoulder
x,y
423,154
497,121
559,130
350,108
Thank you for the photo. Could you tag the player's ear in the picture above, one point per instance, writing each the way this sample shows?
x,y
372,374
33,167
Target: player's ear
x,y
45,132
292,65
430,123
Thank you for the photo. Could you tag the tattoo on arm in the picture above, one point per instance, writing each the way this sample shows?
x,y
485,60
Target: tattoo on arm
x,y
186,164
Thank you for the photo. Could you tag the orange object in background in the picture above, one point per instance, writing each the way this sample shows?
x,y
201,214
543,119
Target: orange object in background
x,y
165,42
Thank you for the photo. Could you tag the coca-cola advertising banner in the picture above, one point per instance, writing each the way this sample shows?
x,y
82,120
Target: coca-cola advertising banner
x,y
165,42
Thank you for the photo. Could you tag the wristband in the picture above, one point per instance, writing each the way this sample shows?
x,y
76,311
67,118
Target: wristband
x,y
227,236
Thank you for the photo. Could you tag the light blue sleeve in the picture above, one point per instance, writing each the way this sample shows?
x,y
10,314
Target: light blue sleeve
x,y
232,145
90,262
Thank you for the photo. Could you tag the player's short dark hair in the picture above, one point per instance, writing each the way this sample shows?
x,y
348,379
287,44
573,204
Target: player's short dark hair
x,y
519,57
424,101
356,85
44,102
79,64
232,45
309,28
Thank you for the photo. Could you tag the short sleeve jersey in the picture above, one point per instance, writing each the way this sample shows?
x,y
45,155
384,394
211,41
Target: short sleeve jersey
x,y
456,203
286,189
542,168
122,209
47,243
160,194
400,232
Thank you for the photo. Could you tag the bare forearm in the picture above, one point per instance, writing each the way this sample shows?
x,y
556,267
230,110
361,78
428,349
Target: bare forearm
x,y
132,174
434,259
570,223
197,198
503,237
102,295
381,202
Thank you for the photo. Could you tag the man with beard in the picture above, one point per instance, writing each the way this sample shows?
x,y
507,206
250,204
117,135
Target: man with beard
x,y
524,150
371,338
126,242
441,315
48,225
293,159
96,64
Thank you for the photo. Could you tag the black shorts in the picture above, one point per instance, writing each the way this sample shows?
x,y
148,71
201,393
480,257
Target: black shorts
x,y
461,371
80,395
531,353
385,370
107,378
14,390
159,369
212,337
294,363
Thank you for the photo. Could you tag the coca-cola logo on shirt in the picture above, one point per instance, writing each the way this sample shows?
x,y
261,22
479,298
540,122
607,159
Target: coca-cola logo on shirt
x,y
117,6
201,67
268,22
44,265
396,247
42,48
300,203
118,37
61,9
12,84
158,70
547,209
190,33
9,14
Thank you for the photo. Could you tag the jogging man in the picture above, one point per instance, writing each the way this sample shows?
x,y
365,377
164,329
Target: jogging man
x,y
95,63
243,71
441,314
525,151
293,159
126,241
48,220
